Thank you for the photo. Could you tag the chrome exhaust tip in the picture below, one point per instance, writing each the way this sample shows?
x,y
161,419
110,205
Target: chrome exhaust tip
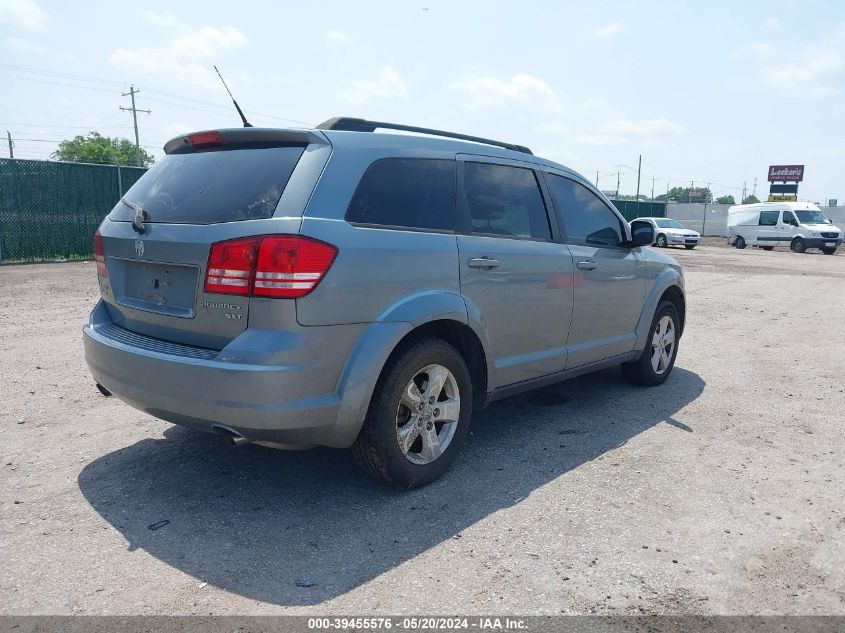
x,y
238,440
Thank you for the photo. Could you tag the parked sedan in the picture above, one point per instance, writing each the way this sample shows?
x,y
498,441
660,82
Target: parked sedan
x,y
669,232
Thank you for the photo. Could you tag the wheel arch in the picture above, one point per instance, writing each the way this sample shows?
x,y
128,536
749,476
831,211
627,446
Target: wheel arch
x,y
669,284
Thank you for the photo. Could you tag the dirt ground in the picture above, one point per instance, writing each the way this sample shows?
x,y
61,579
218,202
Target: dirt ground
x,y
720,492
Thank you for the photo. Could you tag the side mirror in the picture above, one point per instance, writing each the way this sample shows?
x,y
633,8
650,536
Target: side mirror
x,y
642,233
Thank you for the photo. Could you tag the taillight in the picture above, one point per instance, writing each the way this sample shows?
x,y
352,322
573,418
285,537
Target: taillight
x,y
282,266
100,255
230,266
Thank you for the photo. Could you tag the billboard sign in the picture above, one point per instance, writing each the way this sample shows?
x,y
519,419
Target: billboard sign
x,y
786,173
785,197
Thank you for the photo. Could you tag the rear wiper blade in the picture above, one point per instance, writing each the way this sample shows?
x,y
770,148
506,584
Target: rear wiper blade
x,y
139,217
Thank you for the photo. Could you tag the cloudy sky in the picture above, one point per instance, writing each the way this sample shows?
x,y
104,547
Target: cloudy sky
x,y
707,92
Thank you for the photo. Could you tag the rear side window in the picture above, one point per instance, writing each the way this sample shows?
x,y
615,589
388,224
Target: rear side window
x,y
769,218
586,218
211,187
414,193
505,200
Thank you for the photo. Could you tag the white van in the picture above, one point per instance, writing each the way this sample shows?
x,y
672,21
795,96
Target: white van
x,y
799,225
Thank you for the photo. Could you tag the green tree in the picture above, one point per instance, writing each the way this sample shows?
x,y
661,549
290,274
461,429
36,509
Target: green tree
x,y
728,199
95,148
751,199
687,194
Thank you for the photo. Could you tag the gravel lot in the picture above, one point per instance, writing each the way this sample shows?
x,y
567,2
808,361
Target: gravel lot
x,y
720,492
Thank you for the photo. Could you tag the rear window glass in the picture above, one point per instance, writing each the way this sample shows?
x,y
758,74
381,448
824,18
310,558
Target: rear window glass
x,y
211,187
406,192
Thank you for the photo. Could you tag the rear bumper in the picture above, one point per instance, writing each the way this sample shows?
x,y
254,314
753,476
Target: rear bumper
x,y
290,397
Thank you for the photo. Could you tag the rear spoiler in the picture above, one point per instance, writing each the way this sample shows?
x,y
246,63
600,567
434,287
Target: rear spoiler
x,y
236,138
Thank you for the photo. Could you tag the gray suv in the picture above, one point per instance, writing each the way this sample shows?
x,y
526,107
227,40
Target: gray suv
x,y
348,288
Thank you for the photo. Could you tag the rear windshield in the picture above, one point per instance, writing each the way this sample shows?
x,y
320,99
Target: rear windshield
x,y
211,187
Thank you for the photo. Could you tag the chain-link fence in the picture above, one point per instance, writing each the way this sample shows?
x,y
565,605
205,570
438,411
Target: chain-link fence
x,y
50,210
631,209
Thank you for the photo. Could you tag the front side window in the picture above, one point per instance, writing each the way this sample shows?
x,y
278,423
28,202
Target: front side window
x,y
505,201
414,193
586,218
788,218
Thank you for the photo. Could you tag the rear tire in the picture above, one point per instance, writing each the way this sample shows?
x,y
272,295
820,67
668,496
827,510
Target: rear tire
x,y
660,242
399,412
829,251
798,245
657,360
740,242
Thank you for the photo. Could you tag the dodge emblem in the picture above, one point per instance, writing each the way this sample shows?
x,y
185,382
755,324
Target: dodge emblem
x,y
139,248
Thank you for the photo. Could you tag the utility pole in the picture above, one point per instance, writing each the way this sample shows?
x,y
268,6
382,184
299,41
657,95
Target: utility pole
x,y
597,179
618,172
11,145
132,92
754,191
744,187
639,168
652,189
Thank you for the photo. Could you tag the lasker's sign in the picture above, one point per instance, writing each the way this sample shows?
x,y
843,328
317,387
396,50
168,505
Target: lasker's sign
x,y
786,173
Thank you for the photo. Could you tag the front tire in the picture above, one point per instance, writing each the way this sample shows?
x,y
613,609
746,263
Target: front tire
x,y
418,417
660,242
829,251
658,358
768,248
798,245
739,242
689,247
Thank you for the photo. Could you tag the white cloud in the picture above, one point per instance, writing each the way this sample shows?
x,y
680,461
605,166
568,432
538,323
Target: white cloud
x,y
609,30
25,14
813,73
773,24
24,47
388,85
186,54
338,36
521,88
624,131
164,20
762,50
800,67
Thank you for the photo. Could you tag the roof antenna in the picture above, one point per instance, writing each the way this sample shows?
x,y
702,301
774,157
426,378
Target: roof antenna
x,y
237,107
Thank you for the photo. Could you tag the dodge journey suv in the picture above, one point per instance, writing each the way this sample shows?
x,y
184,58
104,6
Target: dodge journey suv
x,y
348,288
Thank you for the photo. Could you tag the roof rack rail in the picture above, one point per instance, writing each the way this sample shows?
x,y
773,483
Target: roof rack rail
x,y
350,124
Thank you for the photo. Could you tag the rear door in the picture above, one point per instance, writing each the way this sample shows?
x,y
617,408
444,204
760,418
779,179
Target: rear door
x,y
610,281
512,270
156,241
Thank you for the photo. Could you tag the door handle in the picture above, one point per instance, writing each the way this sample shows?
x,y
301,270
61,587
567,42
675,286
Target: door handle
x,y
586,265
483,262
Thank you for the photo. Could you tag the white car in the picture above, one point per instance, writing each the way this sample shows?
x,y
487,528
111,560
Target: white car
x,y
669,232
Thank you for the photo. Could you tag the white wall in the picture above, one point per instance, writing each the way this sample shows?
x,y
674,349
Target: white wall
x,y
714,221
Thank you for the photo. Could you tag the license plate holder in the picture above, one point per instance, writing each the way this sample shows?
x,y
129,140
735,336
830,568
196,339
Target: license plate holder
x,y
162,288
